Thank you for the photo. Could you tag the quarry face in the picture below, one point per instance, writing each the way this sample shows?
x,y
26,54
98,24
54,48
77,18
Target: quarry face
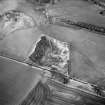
x,y
52,52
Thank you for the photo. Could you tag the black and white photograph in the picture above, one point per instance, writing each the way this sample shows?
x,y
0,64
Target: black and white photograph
x,y
52,52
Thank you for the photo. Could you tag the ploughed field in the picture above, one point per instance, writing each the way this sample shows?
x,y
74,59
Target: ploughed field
x,y
87,50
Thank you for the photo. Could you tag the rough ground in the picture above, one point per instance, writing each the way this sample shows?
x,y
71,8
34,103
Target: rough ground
x,y
88,61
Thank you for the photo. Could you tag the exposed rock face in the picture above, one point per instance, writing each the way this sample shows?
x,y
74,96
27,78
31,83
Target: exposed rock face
x,y
51,53
69,22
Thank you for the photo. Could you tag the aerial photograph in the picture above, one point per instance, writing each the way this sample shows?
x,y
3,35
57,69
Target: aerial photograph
x,y
52,52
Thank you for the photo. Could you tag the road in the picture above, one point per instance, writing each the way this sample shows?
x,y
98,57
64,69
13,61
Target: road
x,y
16,80
13,71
